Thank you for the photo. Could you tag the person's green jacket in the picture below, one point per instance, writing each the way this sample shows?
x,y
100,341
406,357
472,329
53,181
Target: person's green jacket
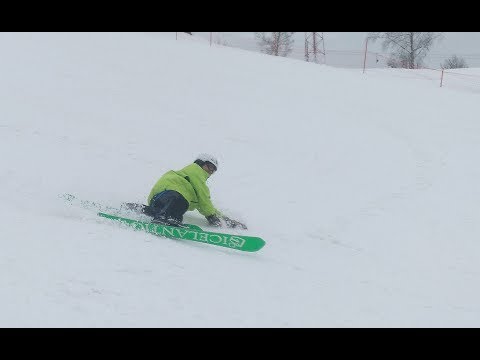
x,y
191,183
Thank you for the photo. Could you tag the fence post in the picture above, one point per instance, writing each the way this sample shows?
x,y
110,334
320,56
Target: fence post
x,y
176,36
365,58
210,39
441,79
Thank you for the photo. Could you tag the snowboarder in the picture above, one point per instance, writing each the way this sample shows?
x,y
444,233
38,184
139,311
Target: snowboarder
x,y
177,192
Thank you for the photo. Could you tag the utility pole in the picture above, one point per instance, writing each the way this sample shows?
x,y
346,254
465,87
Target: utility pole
x,y
314,47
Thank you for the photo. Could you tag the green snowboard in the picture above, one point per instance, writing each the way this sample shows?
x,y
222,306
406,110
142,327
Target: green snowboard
x,y
193,233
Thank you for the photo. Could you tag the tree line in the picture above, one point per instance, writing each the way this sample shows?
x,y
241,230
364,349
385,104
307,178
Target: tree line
x,y
406,49
409,49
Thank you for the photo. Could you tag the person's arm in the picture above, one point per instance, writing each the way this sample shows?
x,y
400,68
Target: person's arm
x,y
206,208
205,205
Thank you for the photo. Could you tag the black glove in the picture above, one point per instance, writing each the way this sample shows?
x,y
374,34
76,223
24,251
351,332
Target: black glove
x,y
234,223
214,220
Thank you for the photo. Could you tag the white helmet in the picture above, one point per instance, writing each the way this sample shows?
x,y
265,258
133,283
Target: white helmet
x,y
210,158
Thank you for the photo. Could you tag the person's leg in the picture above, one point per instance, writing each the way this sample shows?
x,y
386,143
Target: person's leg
x,y
168,206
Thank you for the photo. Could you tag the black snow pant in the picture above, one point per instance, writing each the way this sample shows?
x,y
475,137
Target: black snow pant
x,y
168,205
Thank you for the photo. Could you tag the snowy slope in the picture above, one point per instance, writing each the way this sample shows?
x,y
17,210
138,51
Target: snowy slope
x,y
365,187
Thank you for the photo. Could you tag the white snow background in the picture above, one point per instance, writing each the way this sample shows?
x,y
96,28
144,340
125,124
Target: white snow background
x,y
365,187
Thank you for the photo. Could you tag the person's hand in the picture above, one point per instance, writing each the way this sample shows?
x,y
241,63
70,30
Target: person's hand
x,y
234,223
214,220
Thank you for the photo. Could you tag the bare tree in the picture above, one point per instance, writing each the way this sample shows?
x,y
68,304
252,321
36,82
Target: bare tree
x,y
276,43
408,48
454,62
394,62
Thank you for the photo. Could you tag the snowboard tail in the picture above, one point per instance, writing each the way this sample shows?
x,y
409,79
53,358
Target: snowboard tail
x,y
126,209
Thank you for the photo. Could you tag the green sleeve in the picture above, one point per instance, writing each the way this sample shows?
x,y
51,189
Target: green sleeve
x,y
205,206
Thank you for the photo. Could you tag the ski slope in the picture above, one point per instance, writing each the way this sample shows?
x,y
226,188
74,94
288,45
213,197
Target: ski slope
x,y
364,186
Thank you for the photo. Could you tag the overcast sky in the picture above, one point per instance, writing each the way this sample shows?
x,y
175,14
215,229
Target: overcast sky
x,y
346,48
